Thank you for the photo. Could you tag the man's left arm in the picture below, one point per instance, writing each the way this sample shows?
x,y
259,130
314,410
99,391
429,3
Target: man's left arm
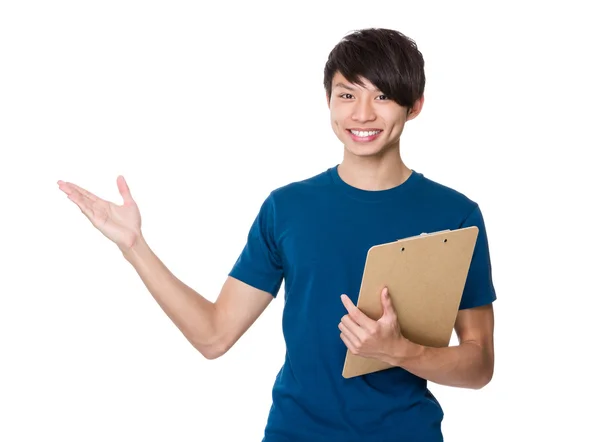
x,y
469,364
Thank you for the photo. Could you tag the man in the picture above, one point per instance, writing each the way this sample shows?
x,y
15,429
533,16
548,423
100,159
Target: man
x,y
314,235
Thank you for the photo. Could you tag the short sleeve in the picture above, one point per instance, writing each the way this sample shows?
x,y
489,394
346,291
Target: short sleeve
x,y
479,287
259,263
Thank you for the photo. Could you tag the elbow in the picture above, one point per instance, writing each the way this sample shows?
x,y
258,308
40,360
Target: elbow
x,y
484,379
212,354
482,382
212,351
213,348
485,372
211,343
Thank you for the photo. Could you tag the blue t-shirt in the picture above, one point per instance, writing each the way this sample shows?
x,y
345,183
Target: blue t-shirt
x,y
313,236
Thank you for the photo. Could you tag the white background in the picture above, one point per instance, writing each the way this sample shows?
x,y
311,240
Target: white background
x,y
204,110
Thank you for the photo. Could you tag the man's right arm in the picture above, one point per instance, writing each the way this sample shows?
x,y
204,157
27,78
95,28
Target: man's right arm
x,y
211,327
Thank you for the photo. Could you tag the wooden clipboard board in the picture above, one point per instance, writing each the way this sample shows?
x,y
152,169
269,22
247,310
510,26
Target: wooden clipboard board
x,y
425,276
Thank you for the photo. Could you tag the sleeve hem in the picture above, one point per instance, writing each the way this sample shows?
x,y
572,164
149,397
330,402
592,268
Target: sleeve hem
x,y
258,283
479,302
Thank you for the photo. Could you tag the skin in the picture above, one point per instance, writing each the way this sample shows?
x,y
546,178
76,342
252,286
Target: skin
x,y
375,165
214,327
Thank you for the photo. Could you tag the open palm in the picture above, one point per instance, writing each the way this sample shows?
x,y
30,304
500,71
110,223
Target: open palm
x,y
121,224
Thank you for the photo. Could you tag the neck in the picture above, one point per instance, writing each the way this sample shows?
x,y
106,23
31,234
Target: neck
x,y
380,172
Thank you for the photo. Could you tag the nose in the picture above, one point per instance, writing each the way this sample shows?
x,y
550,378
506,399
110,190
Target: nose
x,y
363,111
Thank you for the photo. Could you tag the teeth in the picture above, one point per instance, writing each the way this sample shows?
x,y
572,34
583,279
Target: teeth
x,y
360,133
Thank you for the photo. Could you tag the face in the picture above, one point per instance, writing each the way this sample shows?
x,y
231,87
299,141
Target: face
x,y
364,119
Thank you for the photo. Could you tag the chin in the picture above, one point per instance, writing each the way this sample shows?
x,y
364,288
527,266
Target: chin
x,y
364,151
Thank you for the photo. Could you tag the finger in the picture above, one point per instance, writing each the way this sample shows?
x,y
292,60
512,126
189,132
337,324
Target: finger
x,y
386,302
124,189
361,333
82,202
349,344
357,316
84,192
66,187
78,196
351,330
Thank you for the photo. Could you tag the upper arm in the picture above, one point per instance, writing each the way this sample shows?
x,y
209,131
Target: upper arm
x,y
236,309
476,325
253,282
475,319
479,286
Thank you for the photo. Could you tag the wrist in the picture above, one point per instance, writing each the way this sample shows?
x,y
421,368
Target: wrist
x,y
137,249
405,351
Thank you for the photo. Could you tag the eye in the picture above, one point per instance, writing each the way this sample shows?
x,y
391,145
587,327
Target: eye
x,y
348,96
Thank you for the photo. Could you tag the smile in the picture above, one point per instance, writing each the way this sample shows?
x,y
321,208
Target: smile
x,y
360,135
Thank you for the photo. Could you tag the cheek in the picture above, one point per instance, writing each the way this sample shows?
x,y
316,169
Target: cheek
x,y
396,127
335,121
337,112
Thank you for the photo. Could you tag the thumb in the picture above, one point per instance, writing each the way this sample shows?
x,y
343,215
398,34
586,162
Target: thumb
x,y
124,190
386,302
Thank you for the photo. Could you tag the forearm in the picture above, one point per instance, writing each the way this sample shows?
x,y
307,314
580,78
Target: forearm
x,y
467,365
193,314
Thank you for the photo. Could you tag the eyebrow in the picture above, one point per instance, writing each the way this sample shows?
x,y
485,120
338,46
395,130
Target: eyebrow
x,y
345,86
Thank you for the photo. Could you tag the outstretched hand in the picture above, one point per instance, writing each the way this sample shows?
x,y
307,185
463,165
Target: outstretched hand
x,y
370,338
121,224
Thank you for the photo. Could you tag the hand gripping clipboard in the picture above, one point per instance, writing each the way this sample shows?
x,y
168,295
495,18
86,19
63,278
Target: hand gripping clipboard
x,y
425,276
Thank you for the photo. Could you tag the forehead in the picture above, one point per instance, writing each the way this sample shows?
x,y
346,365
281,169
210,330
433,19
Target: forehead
x,y
341,82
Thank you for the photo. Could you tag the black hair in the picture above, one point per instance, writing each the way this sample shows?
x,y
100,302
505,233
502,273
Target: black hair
x,y
387,58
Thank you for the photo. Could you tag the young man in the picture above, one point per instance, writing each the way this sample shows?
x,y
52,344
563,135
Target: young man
x,y
314,235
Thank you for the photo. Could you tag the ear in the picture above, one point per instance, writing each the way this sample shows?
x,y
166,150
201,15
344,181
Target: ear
x,y
416,108
328,101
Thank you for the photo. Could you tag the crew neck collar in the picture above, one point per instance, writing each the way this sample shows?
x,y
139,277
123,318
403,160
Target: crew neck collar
x,y
373,195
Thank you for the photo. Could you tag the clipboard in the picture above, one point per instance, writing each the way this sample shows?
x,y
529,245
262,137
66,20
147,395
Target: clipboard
x,y
425,276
